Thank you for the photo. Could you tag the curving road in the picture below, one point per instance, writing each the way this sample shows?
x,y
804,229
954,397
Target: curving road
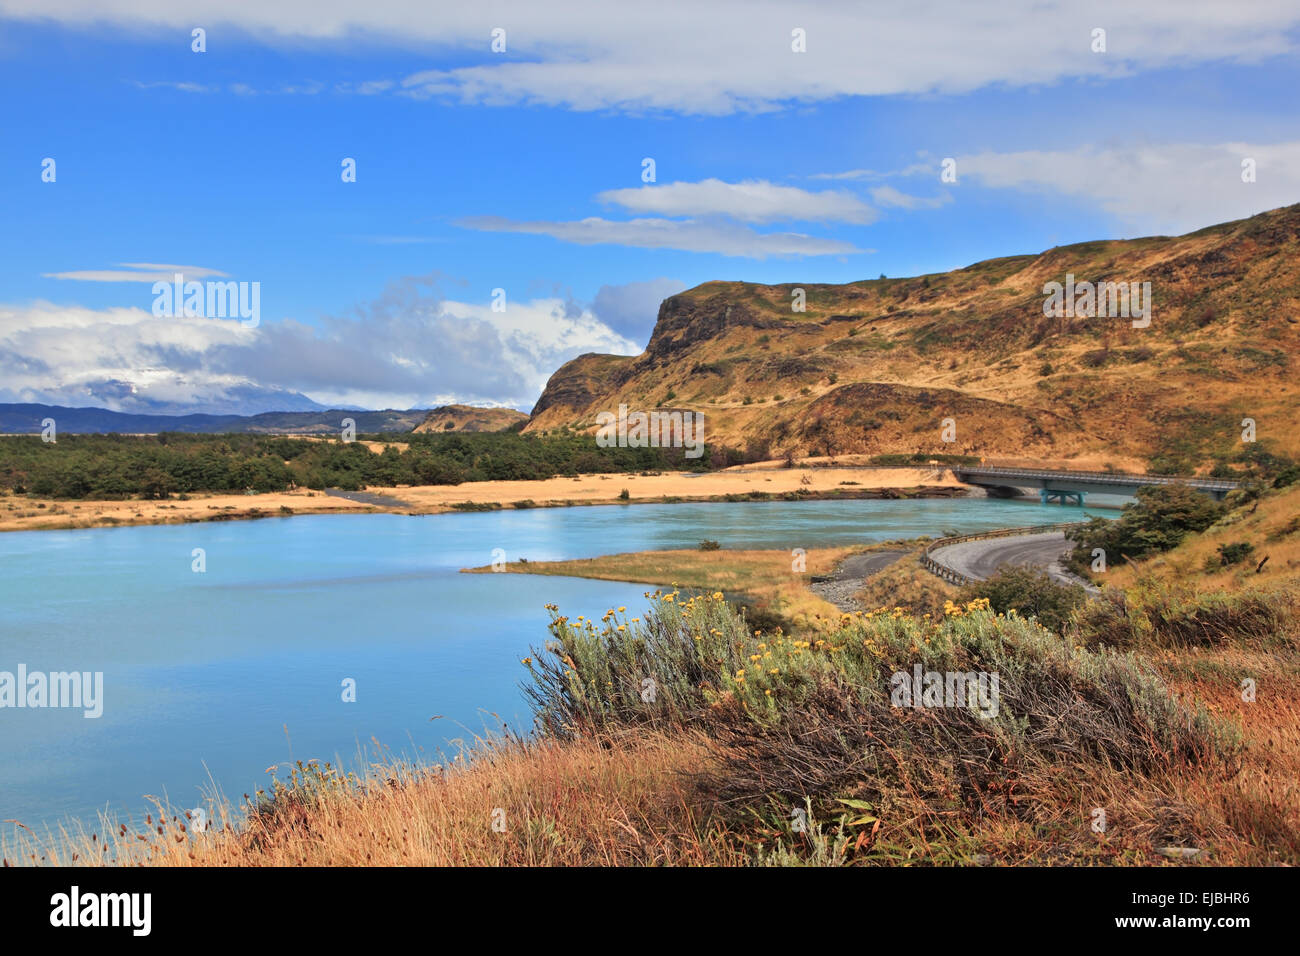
x,y
982,558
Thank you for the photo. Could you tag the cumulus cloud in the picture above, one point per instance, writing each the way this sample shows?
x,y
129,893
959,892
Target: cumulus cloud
x,y
410,347
722,56
688,235
752,201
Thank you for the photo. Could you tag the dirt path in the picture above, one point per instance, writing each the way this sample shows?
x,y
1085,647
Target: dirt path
x,y
367,498
839,586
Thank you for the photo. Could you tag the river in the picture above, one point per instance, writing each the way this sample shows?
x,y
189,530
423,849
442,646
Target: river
x,y
211,677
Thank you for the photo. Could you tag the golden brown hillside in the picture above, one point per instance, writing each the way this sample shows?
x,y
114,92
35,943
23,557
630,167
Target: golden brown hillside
x,y
876,366
467,418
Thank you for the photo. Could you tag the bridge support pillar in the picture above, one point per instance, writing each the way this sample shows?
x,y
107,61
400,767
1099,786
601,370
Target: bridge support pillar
x,y
1048,495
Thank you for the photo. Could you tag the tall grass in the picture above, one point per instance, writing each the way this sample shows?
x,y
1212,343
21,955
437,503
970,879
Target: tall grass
x,y
1160,614
545,803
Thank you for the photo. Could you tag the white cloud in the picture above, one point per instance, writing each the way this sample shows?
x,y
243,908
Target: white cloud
x,y
408,348
889,196
150,272
721,56
753,201
850,174
723,238
1150,189
183,87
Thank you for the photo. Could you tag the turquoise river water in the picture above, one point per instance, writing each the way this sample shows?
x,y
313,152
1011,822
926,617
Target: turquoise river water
x,y
210,678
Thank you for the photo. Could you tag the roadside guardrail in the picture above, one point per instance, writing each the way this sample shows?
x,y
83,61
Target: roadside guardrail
x,y
956,577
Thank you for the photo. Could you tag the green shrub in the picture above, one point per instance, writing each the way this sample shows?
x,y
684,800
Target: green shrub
x,y
1029,592
708,544
1234,553
1287,476
1158,521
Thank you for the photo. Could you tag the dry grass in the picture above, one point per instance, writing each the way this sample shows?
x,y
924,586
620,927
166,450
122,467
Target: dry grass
x,y
905,583
763,578
942,789
46,514
581,803
971,338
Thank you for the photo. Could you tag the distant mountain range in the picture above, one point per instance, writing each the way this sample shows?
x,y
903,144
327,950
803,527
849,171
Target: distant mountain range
x,y
25,419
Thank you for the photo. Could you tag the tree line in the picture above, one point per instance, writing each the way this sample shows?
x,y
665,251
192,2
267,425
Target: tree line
x,y
171,463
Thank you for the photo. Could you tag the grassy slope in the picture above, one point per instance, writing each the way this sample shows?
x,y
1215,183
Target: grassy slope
x,y
1273,528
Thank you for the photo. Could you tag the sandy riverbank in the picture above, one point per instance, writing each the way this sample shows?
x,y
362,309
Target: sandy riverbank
x,y
770,478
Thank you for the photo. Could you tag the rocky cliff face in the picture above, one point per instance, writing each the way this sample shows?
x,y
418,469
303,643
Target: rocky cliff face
x,y
879,365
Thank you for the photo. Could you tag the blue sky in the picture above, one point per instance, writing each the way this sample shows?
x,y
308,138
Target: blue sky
x,y
522,170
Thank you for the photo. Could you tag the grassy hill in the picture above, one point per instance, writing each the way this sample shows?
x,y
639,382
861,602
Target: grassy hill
x,y
875,366
467,418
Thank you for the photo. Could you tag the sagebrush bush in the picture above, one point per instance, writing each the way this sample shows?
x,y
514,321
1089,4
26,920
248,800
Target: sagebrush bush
x,y
815,718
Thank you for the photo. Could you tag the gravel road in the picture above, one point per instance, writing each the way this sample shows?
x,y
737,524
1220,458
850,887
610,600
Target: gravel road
x,y
839,587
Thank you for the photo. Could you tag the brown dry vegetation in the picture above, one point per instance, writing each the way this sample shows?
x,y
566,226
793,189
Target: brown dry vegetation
x,y
1273,528
710,777
908,584
1137,708
587,803
762,579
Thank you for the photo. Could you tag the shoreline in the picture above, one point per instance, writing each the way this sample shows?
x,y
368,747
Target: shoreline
x,y
761,481
742,483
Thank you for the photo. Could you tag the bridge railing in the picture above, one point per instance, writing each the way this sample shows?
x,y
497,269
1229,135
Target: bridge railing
x,y
953,576
1101,477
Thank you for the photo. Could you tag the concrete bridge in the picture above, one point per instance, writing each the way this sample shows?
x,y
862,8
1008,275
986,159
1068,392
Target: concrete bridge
x,y
1071,486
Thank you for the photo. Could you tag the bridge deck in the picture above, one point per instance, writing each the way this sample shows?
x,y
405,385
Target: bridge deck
x,y
1100,479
